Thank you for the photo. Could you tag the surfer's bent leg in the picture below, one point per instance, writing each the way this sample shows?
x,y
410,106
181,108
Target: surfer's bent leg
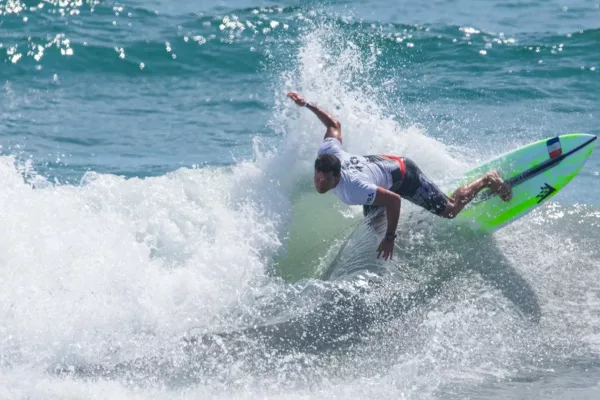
x,y
420,190
417,188
465,194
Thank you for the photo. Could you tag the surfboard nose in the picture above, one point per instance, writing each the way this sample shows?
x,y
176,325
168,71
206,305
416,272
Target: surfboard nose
x,y
536,172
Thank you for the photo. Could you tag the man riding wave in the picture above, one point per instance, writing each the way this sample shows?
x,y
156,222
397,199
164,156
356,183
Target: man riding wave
x,y
382,180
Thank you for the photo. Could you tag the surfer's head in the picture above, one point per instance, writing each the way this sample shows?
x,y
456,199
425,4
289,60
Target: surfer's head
x,y
327,172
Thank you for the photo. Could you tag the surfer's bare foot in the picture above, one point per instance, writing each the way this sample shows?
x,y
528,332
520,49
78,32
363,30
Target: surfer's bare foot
x,y
497,185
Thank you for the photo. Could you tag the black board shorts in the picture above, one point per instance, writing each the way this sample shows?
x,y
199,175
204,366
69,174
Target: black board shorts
x,y
417,188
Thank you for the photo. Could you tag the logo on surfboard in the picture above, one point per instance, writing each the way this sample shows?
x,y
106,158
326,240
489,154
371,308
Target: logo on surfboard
x,y
546,191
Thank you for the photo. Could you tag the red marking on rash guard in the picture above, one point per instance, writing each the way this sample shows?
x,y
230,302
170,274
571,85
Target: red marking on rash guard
x,y
400,162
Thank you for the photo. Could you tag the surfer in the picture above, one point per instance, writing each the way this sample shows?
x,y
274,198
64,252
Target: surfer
x,y
381,180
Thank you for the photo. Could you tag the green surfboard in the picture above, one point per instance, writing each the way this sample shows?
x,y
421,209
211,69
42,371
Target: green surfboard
x,y
536,172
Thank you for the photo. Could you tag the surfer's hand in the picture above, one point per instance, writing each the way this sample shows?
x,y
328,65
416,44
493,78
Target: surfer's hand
x,y
387,248
297,98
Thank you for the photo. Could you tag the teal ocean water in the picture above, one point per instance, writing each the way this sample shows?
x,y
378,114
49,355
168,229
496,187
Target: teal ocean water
x,y
161,237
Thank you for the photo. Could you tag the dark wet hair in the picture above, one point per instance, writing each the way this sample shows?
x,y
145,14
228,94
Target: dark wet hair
x,y
328,162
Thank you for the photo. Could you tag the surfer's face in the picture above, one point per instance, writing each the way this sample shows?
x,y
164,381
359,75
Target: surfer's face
x,y
325,181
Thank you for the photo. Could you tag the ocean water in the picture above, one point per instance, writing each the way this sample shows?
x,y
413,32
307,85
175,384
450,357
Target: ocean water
x,y
160,237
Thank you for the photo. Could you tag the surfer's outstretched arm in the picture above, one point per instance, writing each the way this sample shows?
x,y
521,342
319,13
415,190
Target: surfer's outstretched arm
x,y
391,202
334,128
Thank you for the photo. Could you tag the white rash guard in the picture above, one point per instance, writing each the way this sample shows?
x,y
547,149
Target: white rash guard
x,y
360,175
